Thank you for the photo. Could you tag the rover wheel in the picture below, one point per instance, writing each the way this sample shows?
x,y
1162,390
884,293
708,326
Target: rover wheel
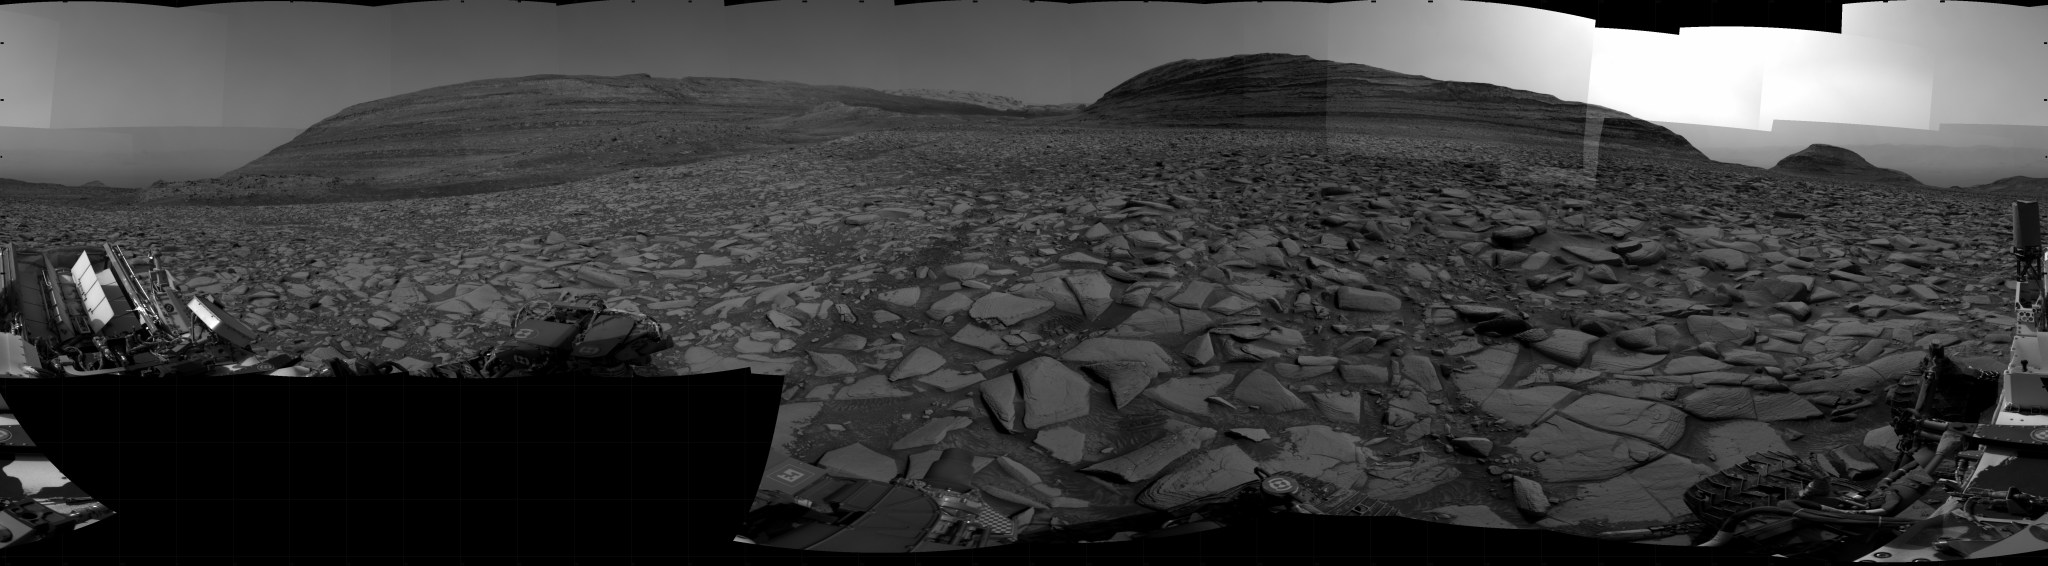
x,y
1766,479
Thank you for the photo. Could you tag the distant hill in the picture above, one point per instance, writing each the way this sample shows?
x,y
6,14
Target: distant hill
x,y
1834,163
1278,90
994,101
501,134
2026,187
15,190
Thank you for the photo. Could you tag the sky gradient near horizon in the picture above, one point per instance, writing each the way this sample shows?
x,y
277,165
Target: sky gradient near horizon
x,y
132,85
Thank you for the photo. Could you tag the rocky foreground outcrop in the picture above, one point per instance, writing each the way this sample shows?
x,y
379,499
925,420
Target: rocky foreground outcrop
x,y
1122,318
1834,163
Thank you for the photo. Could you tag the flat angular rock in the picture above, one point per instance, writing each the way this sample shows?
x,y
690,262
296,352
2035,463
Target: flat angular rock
x,y
1096,350
1748,358
1126,379
1425,474
870,387
1052,392
1490,367
1148,460
1872,376
1367,374
1855,329
1008,308
1056,291
1156,321
1721,403
1594,255
949,306
1654,422
1723,259
1355,299
857,461
933,432
1194,296
1637,339
1729,443
965,271
1772,407
1093,291
1205,474
981,338
1720,329
904,297
603,278
1524,406
847,342
1190,394
1566,345
948,380
920,361
1264,391
1615,359
1654,493
1576,452
921,462
1649,252
1018,470
1423,371
1339,406
1688,365
830,365
1064,443
1201,351
1001,396
1472,516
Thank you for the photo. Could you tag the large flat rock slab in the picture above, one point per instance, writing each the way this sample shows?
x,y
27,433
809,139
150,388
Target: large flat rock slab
x,y
859,461
1576,452
1729,443
1097,350
1053,393
1655,422
1148,460
1872,376
1653,493
1524,406
1260,389
1206,474
1490,367
1189,394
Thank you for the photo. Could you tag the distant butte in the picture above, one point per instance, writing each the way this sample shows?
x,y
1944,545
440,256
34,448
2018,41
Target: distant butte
x,y
1294,91
1838,164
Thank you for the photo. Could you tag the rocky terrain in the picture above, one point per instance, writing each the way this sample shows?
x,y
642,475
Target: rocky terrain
x,y
1118,318
1122,319
1830,162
